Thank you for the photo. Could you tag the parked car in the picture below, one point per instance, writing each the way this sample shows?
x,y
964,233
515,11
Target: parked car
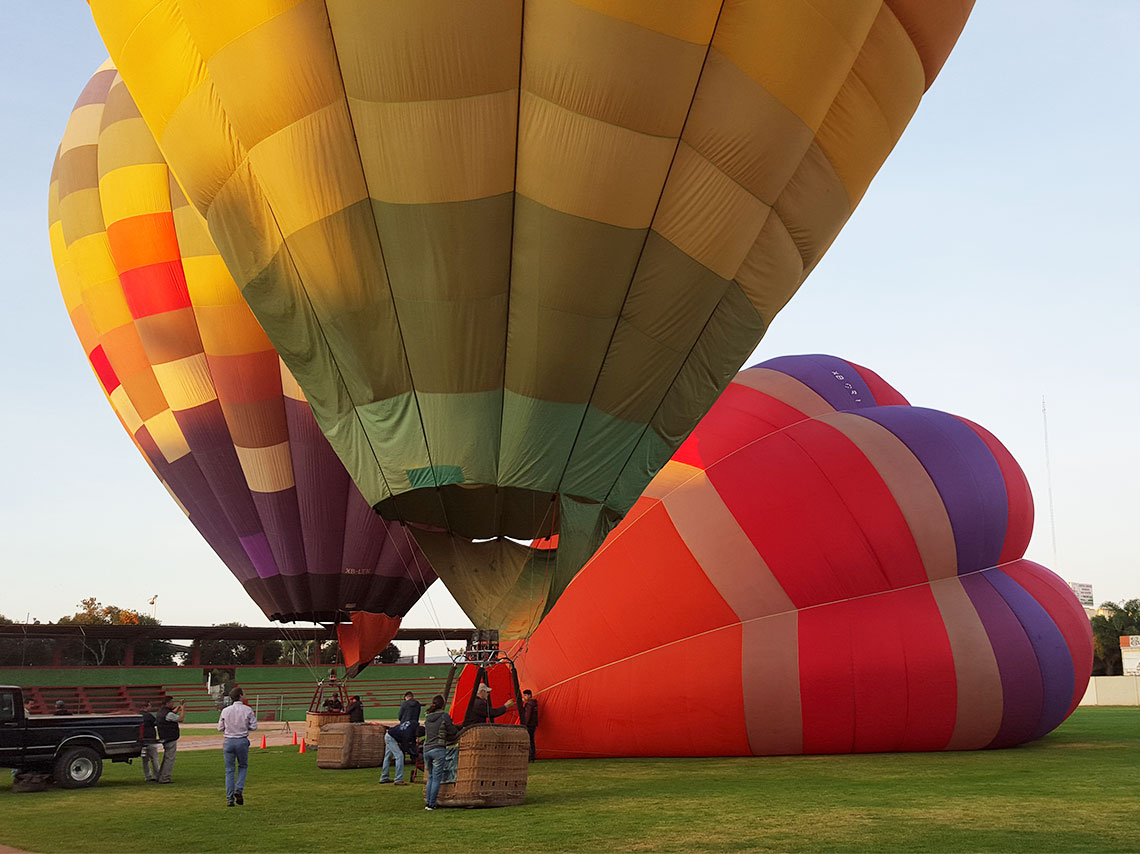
x,y
72,748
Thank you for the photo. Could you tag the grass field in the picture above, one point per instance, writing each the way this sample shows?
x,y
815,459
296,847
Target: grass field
x,y
1075,790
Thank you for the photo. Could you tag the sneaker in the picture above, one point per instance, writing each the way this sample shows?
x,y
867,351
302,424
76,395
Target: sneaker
x,y
385,781
401,783
429,808
238,798
230,802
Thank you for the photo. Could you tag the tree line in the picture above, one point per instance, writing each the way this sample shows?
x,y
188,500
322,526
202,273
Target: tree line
x,y
1116,619
81,651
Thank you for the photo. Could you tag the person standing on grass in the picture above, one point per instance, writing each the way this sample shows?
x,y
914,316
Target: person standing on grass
x,y
439,731
169,717
148,737
236,721
528,717
409,710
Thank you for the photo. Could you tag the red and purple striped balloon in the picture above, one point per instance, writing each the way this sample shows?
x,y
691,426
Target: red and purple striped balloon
x,y
820,568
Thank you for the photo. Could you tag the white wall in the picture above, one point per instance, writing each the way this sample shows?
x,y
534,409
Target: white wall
x,y
1112,691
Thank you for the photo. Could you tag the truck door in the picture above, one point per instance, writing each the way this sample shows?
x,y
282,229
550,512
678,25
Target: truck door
x,y
11,730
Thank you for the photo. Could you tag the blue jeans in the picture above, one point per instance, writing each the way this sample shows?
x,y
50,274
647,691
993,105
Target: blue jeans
x,y
433,764
392,750
235,751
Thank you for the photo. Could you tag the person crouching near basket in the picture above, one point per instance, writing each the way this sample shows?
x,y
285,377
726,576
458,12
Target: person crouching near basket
x,y
440,731
394,751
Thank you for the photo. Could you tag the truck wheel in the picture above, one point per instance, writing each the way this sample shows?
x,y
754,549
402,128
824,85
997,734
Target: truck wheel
x,y
78,767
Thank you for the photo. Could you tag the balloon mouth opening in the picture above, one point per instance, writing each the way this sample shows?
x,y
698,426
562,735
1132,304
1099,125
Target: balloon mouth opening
x,y
477,512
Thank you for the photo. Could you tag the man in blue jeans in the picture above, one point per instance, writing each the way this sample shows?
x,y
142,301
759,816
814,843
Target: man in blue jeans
x,y
394,751
236,722
440,731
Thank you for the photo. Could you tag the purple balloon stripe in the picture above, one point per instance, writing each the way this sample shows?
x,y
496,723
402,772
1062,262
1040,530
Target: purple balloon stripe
x,y
833,379
282,528
257,547
964,472
1053,657
1018,667
321,482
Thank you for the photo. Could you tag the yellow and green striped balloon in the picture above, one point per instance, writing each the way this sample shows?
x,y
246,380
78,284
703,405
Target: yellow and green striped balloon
x,y
513,250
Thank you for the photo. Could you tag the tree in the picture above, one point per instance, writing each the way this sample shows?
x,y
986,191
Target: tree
x,y
1117,619
231,652
390,655
105,651
297,652
24,652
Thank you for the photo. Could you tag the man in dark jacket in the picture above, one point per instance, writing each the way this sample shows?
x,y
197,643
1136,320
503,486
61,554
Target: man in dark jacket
x,y
355,710
148,738
169,717
410,710
480,711
528,717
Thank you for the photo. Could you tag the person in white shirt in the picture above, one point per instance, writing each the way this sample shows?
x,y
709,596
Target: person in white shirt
x,y
236,722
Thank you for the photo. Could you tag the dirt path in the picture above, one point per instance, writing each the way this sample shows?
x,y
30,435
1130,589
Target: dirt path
x,y
273,738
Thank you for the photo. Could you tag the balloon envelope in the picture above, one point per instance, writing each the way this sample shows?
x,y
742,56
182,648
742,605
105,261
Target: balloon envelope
x,y
820,568
513,251
199,387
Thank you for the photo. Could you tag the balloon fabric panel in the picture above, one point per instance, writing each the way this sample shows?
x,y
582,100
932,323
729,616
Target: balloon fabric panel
x,y
198,385
892,643
1051,653
512,252
1053,595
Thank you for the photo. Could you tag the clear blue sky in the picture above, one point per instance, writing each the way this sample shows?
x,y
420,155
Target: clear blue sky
x,y
987,266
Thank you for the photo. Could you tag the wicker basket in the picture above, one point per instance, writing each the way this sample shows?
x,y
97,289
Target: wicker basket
x,y
315,720
351,746
30,781
492,768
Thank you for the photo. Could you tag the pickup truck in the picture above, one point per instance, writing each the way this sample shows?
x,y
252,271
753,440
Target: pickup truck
x,y
69,747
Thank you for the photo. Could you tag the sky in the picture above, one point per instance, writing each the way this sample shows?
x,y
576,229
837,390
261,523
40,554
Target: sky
x,y
986,270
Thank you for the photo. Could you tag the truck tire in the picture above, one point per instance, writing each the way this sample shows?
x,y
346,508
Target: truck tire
x,y
78,767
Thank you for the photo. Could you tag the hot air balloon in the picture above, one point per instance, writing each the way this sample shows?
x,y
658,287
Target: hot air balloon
x,y
820,568
200,389
513,251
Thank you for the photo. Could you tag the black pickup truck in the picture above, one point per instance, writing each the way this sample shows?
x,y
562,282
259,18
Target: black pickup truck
x,y
69,747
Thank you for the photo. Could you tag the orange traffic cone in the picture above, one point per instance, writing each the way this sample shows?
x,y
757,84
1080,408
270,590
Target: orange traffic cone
x,y
294,738
263,741
302,750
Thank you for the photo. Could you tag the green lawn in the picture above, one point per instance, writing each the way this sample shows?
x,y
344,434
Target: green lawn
x,y
1075,790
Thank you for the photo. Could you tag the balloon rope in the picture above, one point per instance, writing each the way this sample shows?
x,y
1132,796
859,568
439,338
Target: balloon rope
x,y
540,601
424,583
297,640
